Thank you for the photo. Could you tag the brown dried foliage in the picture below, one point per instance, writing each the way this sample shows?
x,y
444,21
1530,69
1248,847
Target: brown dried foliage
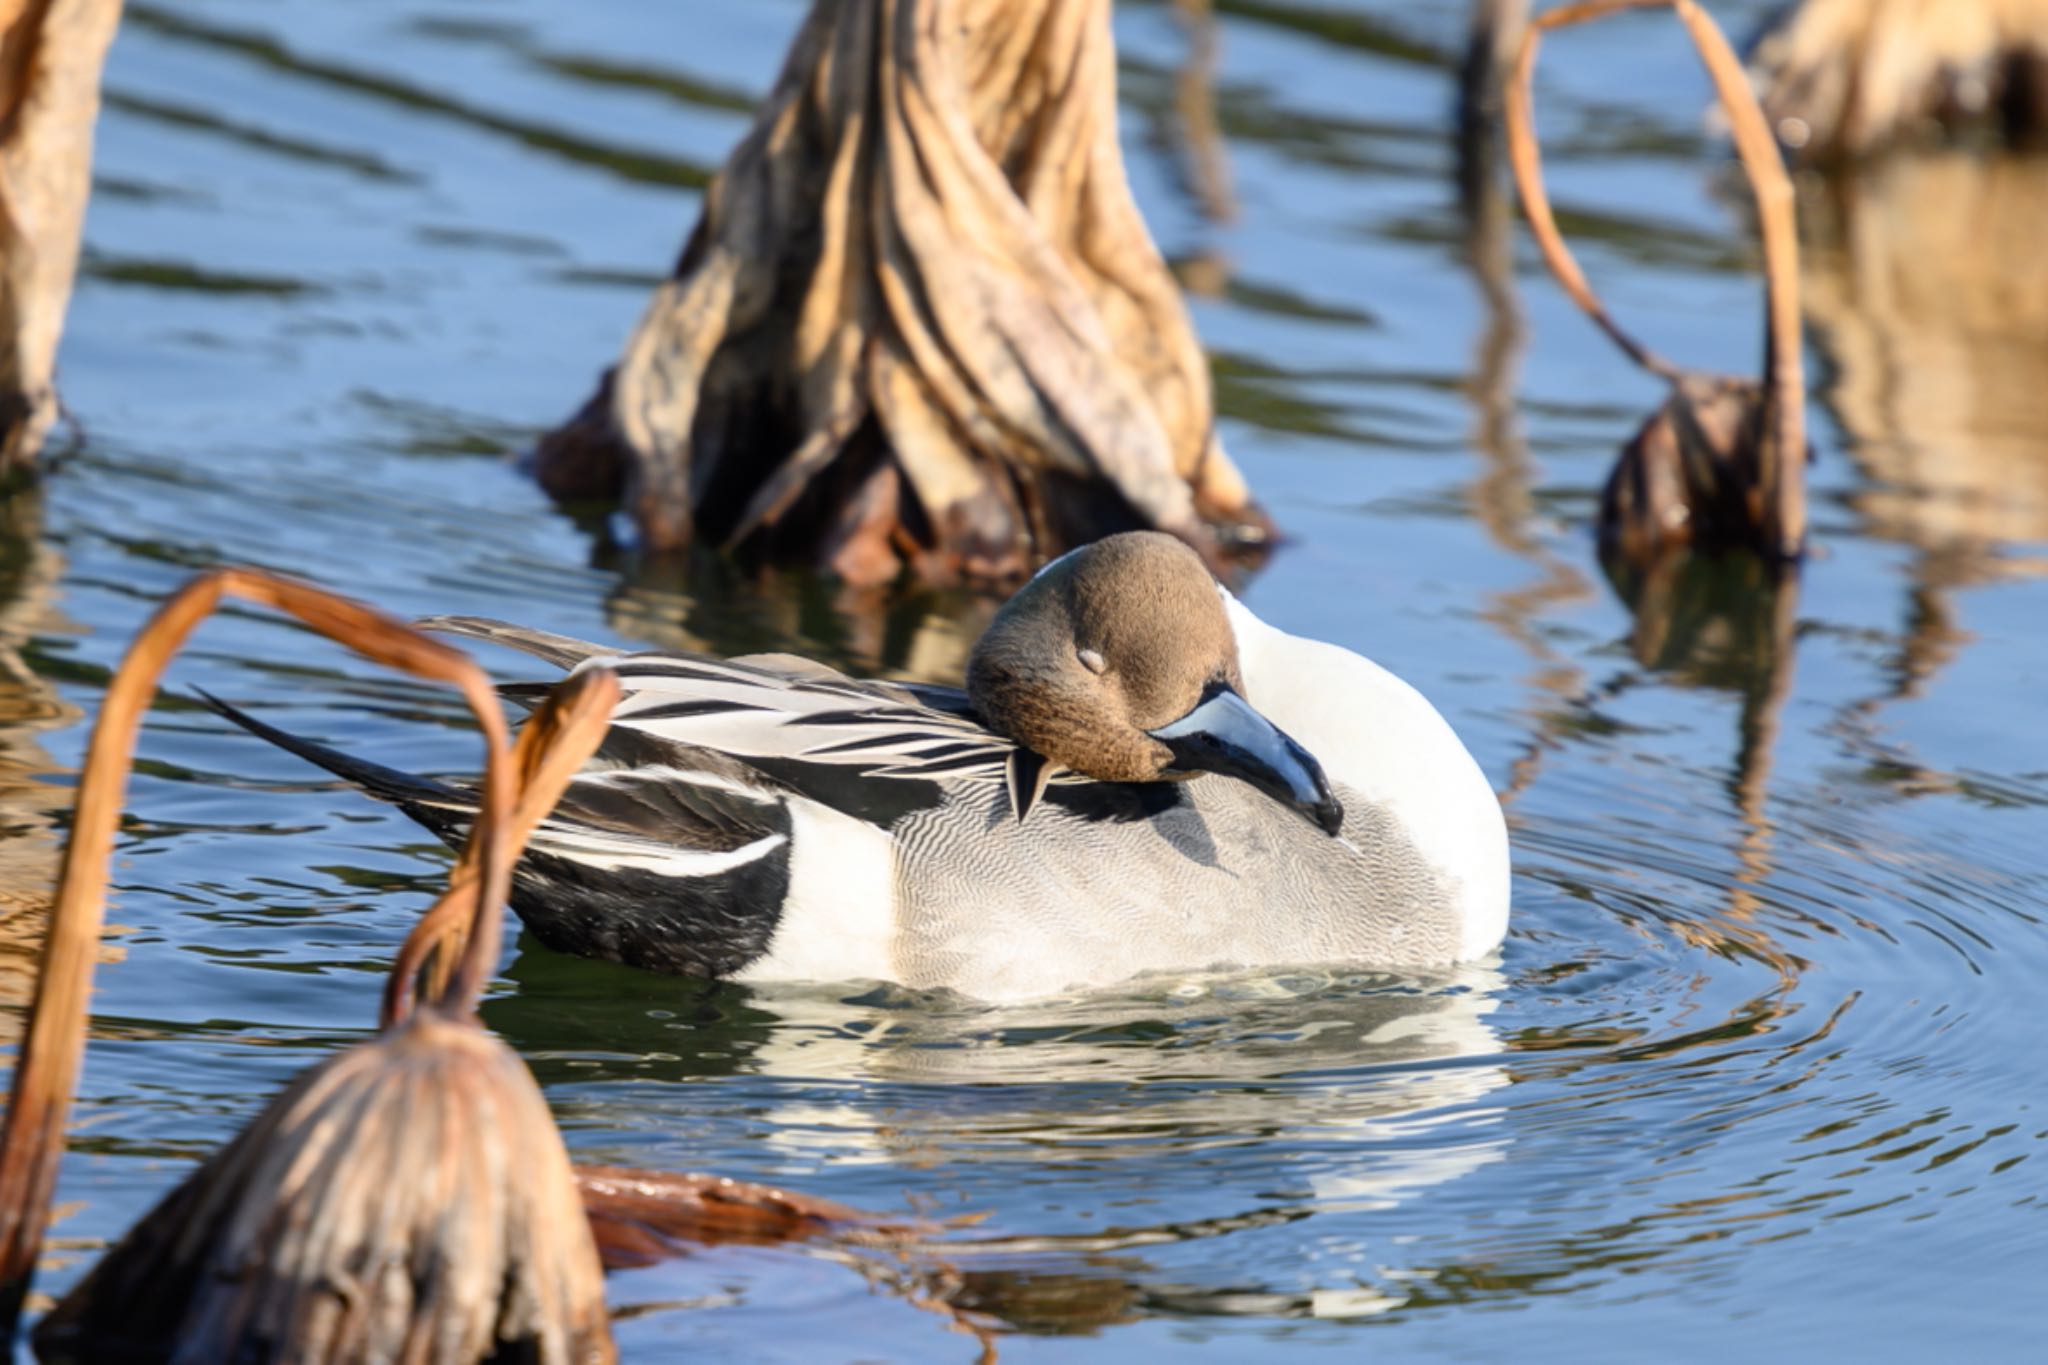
x,y
409,1198
1722,462
50,57
1842,77
920,321
641,1217
552,747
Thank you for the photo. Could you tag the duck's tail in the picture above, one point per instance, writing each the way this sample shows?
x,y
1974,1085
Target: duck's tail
x,y
440,807
668,869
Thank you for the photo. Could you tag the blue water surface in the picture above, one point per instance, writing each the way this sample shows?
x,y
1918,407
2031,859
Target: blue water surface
x,y
1758,1071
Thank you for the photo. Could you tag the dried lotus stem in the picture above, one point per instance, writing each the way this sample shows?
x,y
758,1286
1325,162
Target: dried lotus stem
x,y
46,1069
553,744
1740,455
408,1199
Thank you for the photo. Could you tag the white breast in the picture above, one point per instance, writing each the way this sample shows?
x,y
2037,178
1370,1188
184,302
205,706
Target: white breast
x,y
1374,733
839,917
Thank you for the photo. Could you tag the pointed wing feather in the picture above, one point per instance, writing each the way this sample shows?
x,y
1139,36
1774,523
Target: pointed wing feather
x,y
561,650
671,821
752,711
780,709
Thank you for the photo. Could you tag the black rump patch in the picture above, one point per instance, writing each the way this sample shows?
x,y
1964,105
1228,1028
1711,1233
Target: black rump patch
x,y
684,926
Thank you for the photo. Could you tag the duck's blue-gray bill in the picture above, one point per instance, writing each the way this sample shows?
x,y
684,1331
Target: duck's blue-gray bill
x,y
1224,734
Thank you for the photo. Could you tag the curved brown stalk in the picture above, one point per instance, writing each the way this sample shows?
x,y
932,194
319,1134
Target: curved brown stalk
x,y
456,941
1757,441
46,1068
428,1146
1525,158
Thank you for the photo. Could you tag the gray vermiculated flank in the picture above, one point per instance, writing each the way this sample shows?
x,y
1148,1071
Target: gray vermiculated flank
x,y
1221,876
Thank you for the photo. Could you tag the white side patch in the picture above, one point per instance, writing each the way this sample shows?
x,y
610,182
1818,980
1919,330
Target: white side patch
x,y
594,850
688,777
839,918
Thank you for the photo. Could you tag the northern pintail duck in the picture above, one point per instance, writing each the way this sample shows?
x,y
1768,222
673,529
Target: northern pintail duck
x,y
1140,776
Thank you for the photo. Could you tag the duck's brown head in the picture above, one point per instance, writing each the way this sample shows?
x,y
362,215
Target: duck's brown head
x,y
1119,662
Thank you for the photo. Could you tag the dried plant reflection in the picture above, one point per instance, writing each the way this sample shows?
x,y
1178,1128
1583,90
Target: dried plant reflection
x,y
30,805
1204,157
1929,298
1502,498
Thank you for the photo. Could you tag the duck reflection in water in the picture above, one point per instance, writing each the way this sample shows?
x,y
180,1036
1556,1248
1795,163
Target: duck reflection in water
x,y
1186,1108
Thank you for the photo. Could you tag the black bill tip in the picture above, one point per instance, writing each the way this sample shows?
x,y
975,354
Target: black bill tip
x,y
1224,734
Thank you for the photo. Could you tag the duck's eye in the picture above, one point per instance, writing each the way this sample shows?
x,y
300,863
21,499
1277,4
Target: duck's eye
x,y
1092,661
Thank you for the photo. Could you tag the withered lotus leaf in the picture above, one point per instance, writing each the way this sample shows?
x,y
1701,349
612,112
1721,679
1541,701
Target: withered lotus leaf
x,y
408,1199
920,319
1843,77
